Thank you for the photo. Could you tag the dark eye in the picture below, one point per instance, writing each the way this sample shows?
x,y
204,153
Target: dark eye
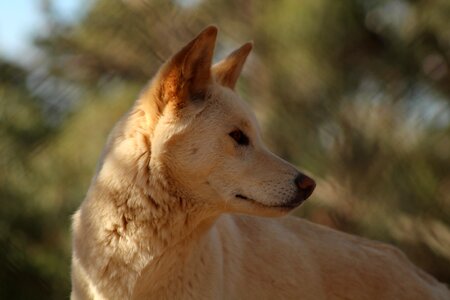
x,y
239,137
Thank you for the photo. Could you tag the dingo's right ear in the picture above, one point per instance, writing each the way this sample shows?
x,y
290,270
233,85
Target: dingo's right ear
x,y
227,71
187,75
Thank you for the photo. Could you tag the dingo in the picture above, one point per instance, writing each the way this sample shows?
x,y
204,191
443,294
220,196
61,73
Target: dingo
x,y
158,222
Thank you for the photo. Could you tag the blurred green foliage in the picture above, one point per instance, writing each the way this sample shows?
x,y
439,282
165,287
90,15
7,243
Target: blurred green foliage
x,y
355,91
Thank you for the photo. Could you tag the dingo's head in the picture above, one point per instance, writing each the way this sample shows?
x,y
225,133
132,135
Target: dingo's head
x,y
205,141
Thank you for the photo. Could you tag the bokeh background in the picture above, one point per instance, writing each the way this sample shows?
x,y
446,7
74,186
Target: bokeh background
x,y
357,92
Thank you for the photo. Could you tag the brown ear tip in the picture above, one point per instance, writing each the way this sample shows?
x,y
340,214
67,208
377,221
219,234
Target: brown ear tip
x,y
210,31
248,46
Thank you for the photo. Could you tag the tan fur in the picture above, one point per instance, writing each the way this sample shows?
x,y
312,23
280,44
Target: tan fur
x,y
166,217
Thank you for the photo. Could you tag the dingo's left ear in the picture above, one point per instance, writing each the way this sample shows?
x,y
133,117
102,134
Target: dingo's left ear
x,y
227,71
187,75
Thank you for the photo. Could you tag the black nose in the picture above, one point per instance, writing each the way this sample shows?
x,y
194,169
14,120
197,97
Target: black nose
x,y
305,184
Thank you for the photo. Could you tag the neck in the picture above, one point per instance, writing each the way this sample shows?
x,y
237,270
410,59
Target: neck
x,y
131,217
136,226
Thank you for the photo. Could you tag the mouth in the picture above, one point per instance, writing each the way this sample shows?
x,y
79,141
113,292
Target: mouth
x,y
286,206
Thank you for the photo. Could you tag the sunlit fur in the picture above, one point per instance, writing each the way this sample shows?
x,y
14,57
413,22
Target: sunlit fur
x,y
156,222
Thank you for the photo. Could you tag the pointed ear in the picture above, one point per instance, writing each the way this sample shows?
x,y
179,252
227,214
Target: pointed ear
x,y
187,75
227,71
